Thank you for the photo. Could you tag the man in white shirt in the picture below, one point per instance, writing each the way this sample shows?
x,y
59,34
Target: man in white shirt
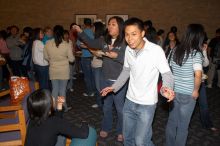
x,y
143,63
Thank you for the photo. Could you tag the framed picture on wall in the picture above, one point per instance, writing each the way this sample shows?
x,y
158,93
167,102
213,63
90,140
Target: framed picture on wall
x,y
80,18
124,17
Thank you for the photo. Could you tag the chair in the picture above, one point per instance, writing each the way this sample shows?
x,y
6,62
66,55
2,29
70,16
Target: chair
x,y
4,93
8,115
13,119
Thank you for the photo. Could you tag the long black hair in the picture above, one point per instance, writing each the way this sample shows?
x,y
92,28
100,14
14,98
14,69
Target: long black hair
x,y
192,40
58,34
99,29
120,37
37,33
40,105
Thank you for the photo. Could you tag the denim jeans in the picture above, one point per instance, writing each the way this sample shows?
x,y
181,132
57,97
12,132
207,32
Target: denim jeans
x,y
211,73
42,73
17,68
59,89
61,140
71,80
203,106
88,76
137,124
179,119
118,100
97,77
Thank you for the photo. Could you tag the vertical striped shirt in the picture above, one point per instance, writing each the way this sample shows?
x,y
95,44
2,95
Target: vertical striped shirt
x,y
184,75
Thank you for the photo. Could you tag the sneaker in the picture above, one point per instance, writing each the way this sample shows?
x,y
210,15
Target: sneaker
x,y
85,94
209,86
214,129
95,106
92,94
67,109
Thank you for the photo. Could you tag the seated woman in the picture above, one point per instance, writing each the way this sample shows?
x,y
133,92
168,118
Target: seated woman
x,y
46,124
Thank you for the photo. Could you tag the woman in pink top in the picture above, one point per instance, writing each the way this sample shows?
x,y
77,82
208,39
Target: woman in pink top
x,y
4,51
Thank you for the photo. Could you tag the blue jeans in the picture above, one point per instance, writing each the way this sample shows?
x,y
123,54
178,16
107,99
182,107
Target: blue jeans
x,y
71,80
137,124
59,89
203,106
17,68
42,73
179,119
88,76
118,100
97,77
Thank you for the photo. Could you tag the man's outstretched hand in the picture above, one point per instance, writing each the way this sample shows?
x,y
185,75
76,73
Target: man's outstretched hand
x,y
106,90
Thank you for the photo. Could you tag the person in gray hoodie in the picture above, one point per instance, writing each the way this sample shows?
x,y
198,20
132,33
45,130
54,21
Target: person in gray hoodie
x,y
113,47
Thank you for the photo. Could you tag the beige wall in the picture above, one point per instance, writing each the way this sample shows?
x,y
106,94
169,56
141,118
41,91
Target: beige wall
x,y
163,13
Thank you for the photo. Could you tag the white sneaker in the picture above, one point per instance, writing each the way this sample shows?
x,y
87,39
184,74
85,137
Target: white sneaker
x,y
209,86
92,94
95,106
67,109
85,94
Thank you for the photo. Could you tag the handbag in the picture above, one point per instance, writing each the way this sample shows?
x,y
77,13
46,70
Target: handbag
x,y
19,88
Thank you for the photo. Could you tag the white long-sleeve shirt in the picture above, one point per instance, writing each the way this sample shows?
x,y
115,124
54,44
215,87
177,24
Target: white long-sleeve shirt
x,y
205,62
38,53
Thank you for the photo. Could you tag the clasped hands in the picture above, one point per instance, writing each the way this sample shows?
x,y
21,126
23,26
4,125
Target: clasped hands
x,y
166,92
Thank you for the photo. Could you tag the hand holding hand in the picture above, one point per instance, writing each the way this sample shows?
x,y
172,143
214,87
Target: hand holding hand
x,y
98,53
168,93
106,90
111,54
195,94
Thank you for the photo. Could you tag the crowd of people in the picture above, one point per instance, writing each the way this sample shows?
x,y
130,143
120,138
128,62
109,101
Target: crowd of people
x,y
121,63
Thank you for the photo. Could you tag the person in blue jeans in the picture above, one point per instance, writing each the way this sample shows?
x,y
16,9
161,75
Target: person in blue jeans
x,y
186,64
86,59
112,46
203,103
143,68
99,30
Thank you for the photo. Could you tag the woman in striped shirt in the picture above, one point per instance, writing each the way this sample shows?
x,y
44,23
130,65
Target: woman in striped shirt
x,y
186,64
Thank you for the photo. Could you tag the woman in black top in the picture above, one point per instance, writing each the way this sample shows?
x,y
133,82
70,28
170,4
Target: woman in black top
x,y
45,125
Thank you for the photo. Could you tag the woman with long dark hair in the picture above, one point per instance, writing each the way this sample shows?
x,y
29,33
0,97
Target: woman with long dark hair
x,y
40,64
186,64
172,43
46,123
59,53
113,46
